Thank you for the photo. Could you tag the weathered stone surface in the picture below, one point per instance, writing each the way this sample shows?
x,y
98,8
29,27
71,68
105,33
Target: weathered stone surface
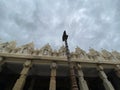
x,y
53,77
82,83
62,51
46,50
23,75
28,49
107,84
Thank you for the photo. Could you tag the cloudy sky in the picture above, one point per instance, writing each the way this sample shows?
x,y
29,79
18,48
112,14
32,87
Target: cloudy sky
x,y
89,23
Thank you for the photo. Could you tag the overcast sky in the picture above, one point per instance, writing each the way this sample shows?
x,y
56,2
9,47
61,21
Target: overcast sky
x,y
89,23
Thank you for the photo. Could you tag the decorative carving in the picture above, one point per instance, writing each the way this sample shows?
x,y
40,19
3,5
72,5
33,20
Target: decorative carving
x,y
73,55
7,47
10,47
80,53
27,63
55,53
3,46
53,65
46,50
78,50
62,51
35,52
93,52
95,55
16,50
116,54
107,55
26,49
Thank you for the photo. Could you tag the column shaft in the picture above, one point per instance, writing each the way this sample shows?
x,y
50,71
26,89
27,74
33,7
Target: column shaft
x,y
53,77
74,85
82,83
21,81
107,84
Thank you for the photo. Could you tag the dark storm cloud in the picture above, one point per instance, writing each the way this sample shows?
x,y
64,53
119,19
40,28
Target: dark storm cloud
x,y
89,23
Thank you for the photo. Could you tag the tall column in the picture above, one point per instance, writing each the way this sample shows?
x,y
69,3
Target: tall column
x,y
107,84
53,77
1,63
82,83
23,75
117,69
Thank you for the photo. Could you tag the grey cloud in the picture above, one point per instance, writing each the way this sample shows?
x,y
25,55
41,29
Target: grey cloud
x,y
89,23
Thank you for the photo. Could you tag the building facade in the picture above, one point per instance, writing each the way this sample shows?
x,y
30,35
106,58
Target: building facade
x,y
26,68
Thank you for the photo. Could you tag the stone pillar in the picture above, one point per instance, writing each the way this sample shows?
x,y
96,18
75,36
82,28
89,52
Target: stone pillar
x,y
23,75
53,77
107,84
1,63
82,83
117,69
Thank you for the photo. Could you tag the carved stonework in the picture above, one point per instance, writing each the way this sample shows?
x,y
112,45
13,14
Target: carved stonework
x,y
35,52
28,49
73,55
55,53
80,53
46,50
3,46
7,47
107,55
116,54
62,51
93,54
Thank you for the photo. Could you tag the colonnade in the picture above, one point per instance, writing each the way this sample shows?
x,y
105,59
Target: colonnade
x,y
20,82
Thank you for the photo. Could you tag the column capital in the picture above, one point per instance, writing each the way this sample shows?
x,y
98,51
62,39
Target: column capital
x,y
53,65
28,63
118,66
100,67
79,66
